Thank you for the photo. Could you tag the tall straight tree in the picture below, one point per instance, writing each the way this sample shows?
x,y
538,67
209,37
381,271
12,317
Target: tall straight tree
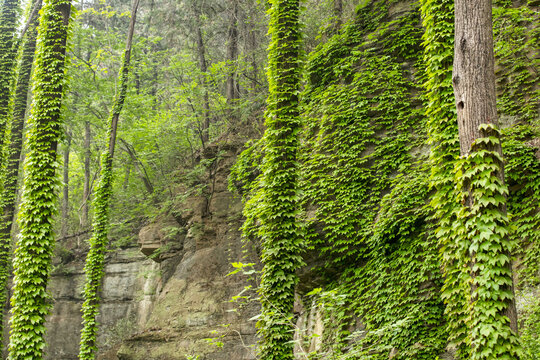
x,y
492,323
98,243
281,239
32,263
11,174
204,128
232,86
9,10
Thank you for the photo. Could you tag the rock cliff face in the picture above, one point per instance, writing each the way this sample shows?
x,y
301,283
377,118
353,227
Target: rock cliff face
x,y
168,297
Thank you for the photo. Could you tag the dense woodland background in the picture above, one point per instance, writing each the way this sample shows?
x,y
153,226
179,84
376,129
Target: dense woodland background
x,y
375,103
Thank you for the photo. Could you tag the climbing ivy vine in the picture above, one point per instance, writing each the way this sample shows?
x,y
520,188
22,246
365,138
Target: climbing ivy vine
x,y
382,184
95,260
9,10
8,22
32,262
277,210
438,21
12,154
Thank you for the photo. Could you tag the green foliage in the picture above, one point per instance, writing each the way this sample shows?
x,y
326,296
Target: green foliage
x,y
32,261
517,35
279,230
95,260
11,155
523,177
8,22
530,329
364,214
377,219
438,21
9,11
483,223
474,232
361,126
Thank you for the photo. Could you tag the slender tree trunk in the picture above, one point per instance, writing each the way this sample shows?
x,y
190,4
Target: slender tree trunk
x,y
95,259
205,131
139,167
86,185
65,193
32,262
233,89
338,13
475,94
10,190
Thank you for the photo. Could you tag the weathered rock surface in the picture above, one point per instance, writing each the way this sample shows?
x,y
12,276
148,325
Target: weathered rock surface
x,y
167,297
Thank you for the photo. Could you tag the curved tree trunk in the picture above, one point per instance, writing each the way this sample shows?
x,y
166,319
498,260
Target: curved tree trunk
x,y
95,259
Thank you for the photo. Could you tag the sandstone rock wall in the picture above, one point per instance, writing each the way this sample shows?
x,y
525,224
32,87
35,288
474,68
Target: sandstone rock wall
x,y
169,297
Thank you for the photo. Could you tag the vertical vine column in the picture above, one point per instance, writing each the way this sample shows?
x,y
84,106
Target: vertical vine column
x,y
32,263
438,21
9,11
95,260
492,319
8,22
11,172
281,240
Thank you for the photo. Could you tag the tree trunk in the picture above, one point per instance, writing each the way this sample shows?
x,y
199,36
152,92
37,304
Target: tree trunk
x,y
475,94
10,190
205,135
233,89
338,13
474,74
95,260
65,195
32,262
86,185
281,244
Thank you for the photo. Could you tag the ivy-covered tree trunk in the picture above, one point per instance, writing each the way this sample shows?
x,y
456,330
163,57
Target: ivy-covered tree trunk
x,y
9,10
281,239
32,263
438,21
11,172
492,321
95,260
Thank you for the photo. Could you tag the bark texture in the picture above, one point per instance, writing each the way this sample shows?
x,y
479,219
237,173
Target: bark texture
x,y
474,70
233,90
474,89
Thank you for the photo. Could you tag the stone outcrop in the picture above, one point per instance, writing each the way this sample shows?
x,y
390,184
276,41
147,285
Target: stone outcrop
x,y
169,297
